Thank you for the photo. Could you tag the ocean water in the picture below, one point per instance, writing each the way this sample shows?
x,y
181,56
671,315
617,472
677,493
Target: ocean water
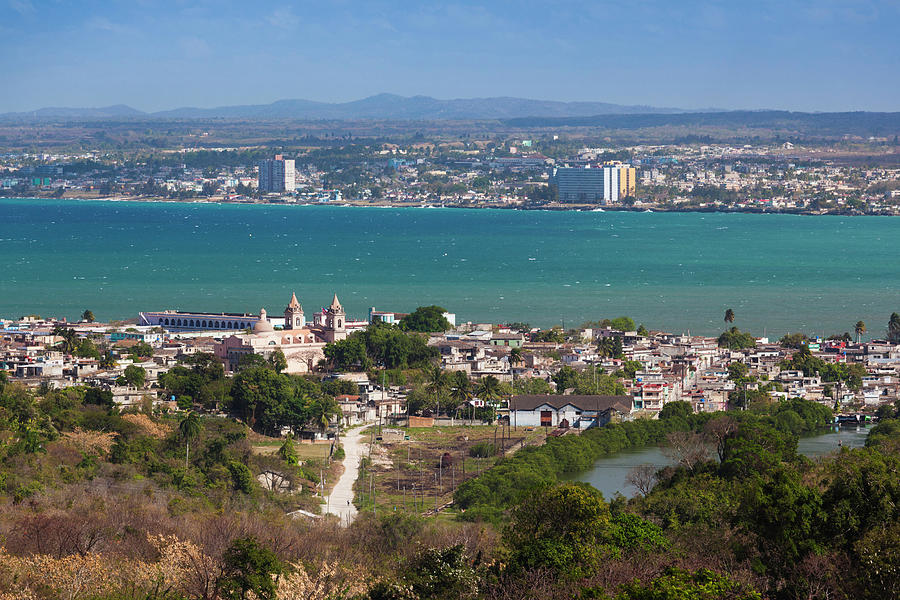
x,y
677,271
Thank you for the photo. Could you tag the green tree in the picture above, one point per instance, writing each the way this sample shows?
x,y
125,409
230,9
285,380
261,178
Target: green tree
x,y
87,316
794,340
141,350
642,331
879,557
348,353
555,335
278,361
756,449
259,395
561,529
135,376
287,451
566,378
443,574
622,324
676,410
611,347
785,516
425,319
241,477
98,397
677,584
249,567
729,316
189,428
735,339
631,367
738,372
253,361
87,349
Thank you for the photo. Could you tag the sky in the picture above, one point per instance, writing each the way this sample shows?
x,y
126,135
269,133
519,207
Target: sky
x,y
820,55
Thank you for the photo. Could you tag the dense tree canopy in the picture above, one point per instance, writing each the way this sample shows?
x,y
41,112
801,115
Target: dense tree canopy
x,y
735,339
426,319
380,344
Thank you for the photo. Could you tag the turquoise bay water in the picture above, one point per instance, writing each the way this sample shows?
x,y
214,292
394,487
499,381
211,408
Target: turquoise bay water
x,y
671,271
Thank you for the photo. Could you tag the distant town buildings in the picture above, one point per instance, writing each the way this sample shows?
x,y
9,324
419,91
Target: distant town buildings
x,y
607,184
276,175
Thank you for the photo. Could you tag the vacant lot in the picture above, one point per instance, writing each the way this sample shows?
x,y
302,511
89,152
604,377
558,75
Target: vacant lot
x,y
411,475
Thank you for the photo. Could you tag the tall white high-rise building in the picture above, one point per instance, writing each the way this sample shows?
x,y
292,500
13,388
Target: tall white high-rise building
x,y
276,175
610,183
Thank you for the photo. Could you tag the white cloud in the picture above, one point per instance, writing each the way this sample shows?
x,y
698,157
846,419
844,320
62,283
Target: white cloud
x,y
284,18
23,7
104,24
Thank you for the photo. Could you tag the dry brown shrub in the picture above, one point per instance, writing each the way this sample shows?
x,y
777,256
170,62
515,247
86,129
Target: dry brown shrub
x,y
147,425
69,578
90,442
329,581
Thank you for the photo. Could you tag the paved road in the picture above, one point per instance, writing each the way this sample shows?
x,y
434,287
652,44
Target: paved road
x,y
340,502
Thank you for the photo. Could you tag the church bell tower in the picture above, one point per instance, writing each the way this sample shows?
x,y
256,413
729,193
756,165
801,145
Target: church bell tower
x,y
293,314
335,321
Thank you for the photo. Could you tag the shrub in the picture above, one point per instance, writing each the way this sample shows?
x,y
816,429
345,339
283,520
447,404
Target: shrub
x,y
483,450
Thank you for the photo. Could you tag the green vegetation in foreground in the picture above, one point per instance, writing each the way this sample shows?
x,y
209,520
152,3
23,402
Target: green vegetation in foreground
x,y
514,478
102,505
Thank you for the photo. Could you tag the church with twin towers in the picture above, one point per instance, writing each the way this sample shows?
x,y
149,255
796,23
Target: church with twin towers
x,y
301,342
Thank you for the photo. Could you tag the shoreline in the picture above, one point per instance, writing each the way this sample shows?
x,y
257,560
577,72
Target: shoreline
x,y
481,206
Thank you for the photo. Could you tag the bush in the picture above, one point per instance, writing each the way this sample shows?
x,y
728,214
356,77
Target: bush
x,y
483,450
241,477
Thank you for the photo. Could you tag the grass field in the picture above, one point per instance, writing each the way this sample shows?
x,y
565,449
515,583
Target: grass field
x,y
304,451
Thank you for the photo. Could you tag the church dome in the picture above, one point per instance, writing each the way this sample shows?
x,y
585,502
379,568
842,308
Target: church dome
x,y
263,325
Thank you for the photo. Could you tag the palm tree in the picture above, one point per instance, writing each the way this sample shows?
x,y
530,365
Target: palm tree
x,y
189,428
859,328
729,316
69,338
489,389
461,392
515,357
437,386
894,329
320,411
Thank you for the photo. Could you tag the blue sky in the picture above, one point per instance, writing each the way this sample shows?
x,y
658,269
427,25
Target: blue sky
x,y
817,55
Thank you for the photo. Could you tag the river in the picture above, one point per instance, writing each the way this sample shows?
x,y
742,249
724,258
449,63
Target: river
x,y
609,473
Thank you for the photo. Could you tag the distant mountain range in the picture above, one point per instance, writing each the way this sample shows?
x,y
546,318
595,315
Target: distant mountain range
x,y
381,106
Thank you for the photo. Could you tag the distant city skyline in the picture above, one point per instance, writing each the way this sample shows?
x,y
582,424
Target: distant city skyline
x,y
821,56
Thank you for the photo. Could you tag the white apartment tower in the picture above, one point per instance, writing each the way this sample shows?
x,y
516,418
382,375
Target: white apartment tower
x,y
610,183
276,175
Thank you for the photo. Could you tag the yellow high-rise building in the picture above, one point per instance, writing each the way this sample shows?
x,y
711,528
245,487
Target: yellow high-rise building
x,y
627,178
627,184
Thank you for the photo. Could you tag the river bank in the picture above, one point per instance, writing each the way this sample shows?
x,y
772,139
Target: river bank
x,y
609,474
